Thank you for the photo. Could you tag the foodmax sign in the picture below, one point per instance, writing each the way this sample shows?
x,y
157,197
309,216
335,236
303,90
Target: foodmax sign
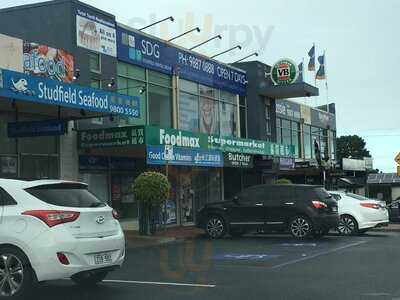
x,y
179,138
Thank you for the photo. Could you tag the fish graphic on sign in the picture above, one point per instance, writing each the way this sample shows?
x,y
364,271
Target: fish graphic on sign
x,y
21,86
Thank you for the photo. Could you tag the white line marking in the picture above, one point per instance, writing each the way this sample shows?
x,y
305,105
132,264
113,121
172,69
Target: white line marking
x,y
162,283
316,255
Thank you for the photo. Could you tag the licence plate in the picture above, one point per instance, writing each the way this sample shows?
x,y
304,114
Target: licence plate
x,y
102,258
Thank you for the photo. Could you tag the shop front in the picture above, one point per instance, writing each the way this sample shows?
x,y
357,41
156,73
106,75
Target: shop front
x,y
201,168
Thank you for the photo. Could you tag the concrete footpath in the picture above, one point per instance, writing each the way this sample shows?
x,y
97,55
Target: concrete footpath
x,y
164,236
181,233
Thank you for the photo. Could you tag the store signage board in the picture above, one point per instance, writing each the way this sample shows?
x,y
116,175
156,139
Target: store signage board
x,y
184,156
153,135
37,128
284,71
238,160
397,158
15,85
111,137
96,33
139,49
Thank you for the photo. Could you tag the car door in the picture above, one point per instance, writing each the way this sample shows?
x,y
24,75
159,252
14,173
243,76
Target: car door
x,y
279,206
248,208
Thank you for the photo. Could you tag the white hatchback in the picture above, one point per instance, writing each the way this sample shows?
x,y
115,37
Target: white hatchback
x,y
358,214
52,229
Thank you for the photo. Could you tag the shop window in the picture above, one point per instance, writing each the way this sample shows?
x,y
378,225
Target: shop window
x,y
8,166
207,91
296,142
209,117
160,106
160,78
243,122
228,119
39,166
227,97
8,145
95,83
278,135
286,136
188,112
188,86
95,62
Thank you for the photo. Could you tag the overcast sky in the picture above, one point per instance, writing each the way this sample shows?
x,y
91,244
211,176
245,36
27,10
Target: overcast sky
x,y
359,37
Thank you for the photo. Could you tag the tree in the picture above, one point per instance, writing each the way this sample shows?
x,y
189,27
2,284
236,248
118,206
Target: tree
x,y
150,189
351,145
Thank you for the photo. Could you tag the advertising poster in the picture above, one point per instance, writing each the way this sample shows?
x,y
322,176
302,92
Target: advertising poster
x,y
11,53
95,33
228,119
188,112
209,121
42,60
8,165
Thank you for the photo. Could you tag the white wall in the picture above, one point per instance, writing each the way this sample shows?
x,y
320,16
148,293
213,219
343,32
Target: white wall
x,y
69,165
395,192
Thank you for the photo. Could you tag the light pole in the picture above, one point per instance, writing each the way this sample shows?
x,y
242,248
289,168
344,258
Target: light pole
x,y
226,51
171,18
187,32
250,55
205,42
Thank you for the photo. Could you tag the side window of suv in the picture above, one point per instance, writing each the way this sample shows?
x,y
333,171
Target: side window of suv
x,y
5,198
336,197
252,194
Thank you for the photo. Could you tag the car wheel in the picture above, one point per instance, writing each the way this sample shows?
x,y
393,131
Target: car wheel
x,y
319,233
89,278
347,225
16,274
215,227
300,227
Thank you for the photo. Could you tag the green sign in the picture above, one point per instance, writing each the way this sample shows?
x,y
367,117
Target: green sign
x,y
249,146
153,135
284,71
111,137
180,138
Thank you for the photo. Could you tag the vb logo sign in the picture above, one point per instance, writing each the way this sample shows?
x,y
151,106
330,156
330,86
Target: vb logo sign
x,y
284,71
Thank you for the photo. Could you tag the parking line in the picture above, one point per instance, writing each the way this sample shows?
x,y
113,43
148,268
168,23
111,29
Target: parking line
x,y
316,255
163,283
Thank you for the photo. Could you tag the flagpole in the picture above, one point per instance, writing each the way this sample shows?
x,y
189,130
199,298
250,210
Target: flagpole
x,y
326,82
315,75
302,74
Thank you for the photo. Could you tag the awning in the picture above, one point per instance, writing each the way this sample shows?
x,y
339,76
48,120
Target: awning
x,y
294,90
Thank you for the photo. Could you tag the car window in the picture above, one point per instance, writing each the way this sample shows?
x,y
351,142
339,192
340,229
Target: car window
x,y
69,195
322,193
252,194
358,197
6,199
336,197
280,193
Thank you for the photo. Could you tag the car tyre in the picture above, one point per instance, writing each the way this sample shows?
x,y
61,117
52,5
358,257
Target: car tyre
x,y
89,278
215,227
300,227
347,225
17,277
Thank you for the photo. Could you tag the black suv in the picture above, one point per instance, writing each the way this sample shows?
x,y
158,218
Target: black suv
x,y
303,210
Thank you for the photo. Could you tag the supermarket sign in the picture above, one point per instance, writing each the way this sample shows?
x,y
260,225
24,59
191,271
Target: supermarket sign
x,y
158,136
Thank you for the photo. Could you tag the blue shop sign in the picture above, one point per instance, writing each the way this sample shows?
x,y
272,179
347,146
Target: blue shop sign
x,y
37,128
184,157
141,50
37,89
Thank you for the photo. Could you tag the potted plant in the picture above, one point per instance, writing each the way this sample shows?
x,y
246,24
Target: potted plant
x,y
150,189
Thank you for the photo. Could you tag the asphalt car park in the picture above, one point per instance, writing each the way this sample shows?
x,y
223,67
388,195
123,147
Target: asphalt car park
x,y
254,267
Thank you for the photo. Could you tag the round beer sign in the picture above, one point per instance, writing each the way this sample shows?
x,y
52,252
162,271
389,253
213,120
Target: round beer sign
x,y
284,71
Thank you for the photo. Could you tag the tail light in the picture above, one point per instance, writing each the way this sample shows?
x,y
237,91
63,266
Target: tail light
x,y
319,204
370,205
53,217
62,258
115,214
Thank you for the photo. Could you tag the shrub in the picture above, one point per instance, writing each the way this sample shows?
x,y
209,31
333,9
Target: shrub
x,y
283,181
151,188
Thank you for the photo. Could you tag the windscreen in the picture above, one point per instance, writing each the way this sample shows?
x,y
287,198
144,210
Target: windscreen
x,y
68,195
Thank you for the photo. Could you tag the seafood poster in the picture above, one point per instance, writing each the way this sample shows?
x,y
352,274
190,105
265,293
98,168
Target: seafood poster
x,y
95,33
42,60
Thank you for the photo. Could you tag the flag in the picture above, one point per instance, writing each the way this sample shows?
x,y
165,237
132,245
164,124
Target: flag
x,y
300,78
311,63
321,70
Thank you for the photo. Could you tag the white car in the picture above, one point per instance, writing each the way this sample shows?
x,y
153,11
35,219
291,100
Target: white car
x,y
52,229
359,214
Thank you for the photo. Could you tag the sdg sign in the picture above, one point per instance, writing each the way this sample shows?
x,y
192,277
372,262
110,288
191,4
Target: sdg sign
x,y
284,71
